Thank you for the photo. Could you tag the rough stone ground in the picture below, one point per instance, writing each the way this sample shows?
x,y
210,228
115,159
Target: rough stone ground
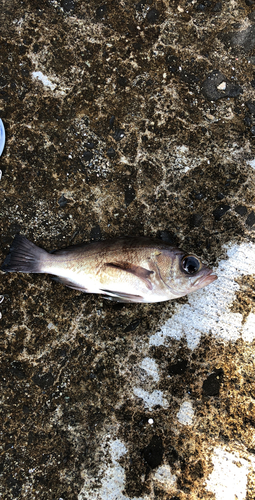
x,y
129,118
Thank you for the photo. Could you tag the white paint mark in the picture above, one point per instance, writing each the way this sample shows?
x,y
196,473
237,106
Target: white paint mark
x,y
209,309
229,477
151,421
249,331
164,476
251,163
150,366
113,481
44,79
186,413
151,399
117,450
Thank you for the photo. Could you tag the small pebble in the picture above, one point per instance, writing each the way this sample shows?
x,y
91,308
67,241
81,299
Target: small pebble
x,y
196,220
250,221
152,16
129,195
241,210
118,134
199,196
122,81
89,145
220,211
222,86
62,201
251,106
95,233
101,11
217,7
112,122
111,153
67,5
87,156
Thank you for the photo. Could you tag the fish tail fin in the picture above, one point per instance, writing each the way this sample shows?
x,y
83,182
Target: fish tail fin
x,y
24,257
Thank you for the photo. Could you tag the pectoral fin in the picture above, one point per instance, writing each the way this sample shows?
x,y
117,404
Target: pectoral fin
x,y
140,272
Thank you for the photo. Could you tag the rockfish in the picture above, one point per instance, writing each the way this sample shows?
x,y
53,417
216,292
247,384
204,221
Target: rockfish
x,y
123,269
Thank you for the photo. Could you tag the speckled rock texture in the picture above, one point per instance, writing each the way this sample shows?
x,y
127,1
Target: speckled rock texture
x,y
128,118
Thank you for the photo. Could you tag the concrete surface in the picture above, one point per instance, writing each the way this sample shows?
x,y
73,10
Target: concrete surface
x,y
129,118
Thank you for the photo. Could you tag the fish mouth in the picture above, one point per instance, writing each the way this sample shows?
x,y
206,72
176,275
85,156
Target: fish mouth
x,y
205,280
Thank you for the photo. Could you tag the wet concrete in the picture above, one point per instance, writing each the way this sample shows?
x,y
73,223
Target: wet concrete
x,y
127,118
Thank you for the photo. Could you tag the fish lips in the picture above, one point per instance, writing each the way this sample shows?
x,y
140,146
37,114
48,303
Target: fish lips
x,y
206,279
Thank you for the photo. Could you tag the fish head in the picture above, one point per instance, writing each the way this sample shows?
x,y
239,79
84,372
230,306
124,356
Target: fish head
x,y
183,273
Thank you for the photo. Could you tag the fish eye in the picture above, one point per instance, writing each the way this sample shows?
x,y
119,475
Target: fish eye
x,y
190,264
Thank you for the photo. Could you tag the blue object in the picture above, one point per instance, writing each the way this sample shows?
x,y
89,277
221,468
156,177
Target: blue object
x,y
2,136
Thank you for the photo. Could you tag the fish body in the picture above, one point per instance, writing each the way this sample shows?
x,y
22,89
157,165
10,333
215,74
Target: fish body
x,y
124,269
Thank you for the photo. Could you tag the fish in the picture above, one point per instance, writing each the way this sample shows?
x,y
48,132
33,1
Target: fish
x,y
126,269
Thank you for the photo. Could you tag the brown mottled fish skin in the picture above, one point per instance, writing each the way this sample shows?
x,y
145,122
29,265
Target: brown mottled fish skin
x,y
124,269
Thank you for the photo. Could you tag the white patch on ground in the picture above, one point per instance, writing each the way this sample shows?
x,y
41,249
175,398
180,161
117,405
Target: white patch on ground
x,y
113,481
186,413
249,331
209,309
38,75
150,366
182,157
117,450
164,476
114,478
51,326
228,479
151,399
251,163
